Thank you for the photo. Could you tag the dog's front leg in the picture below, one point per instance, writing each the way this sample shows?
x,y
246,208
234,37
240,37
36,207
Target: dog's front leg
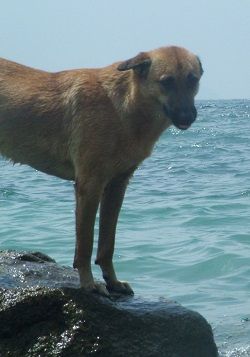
x,y
110,207
87,200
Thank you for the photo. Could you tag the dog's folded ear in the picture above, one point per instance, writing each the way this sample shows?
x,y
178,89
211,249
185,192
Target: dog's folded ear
x,y
140,64
201,69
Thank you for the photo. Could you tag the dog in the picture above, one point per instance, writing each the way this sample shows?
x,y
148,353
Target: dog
x,y
94,127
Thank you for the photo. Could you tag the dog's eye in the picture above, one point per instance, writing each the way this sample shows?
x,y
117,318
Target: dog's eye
x,y
168,82
192,80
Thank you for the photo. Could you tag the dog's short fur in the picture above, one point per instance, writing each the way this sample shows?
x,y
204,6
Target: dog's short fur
x,y
95,126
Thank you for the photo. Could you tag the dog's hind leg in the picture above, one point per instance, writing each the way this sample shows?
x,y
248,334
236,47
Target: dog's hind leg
x,y
87,200
110,207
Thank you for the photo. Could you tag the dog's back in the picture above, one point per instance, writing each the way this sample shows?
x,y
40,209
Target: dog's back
x,y
18,86
32,126
48,119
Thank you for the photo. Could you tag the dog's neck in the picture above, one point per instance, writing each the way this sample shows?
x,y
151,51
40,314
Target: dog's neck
x,y
123,89
120,88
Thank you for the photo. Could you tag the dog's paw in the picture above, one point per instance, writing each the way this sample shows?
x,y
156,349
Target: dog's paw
x,y
97,288
120,287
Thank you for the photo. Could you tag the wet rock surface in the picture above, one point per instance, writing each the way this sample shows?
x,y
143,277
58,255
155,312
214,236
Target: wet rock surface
x,y
42,313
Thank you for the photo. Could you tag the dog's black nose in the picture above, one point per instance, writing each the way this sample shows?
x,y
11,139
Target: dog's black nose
x,y
184,118
187,115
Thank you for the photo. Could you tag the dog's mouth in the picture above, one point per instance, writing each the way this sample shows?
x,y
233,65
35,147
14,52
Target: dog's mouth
x,y
181,119
182,126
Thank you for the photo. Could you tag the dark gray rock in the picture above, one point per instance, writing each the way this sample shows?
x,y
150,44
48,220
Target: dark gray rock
x,y
60,320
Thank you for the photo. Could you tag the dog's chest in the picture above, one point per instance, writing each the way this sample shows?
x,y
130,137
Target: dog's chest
x,y
131,156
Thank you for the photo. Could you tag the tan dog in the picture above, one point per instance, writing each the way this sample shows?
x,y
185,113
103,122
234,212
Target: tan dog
x,y
95,126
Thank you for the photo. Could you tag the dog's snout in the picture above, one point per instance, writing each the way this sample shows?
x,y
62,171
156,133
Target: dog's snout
x,y
194,112
183,117
187,115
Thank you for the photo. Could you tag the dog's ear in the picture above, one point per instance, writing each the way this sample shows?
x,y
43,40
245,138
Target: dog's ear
x,y
140,64
201,69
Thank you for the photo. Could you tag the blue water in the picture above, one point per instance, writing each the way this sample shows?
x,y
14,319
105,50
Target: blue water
x,y
184,229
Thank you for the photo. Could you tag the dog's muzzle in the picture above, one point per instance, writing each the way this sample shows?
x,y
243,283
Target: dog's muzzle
x,y
181,118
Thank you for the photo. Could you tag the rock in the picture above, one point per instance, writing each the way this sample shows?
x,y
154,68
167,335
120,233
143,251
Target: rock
x,y
58,320
30,269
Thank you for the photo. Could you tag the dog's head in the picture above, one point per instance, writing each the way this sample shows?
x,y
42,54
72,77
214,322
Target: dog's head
x,y
168,77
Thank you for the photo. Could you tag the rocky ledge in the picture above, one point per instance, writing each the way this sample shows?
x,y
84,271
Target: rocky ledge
x,y
42,313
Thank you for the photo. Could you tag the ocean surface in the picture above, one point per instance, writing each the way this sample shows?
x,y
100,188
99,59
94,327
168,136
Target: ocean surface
x,y
184,229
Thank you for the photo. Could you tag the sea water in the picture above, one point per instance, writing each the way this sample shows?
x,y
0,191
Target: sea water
x,y
184,228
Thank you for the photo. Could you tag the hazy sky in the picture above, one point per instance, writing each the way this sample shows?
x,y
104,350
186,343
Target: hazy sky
x,y
60,34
